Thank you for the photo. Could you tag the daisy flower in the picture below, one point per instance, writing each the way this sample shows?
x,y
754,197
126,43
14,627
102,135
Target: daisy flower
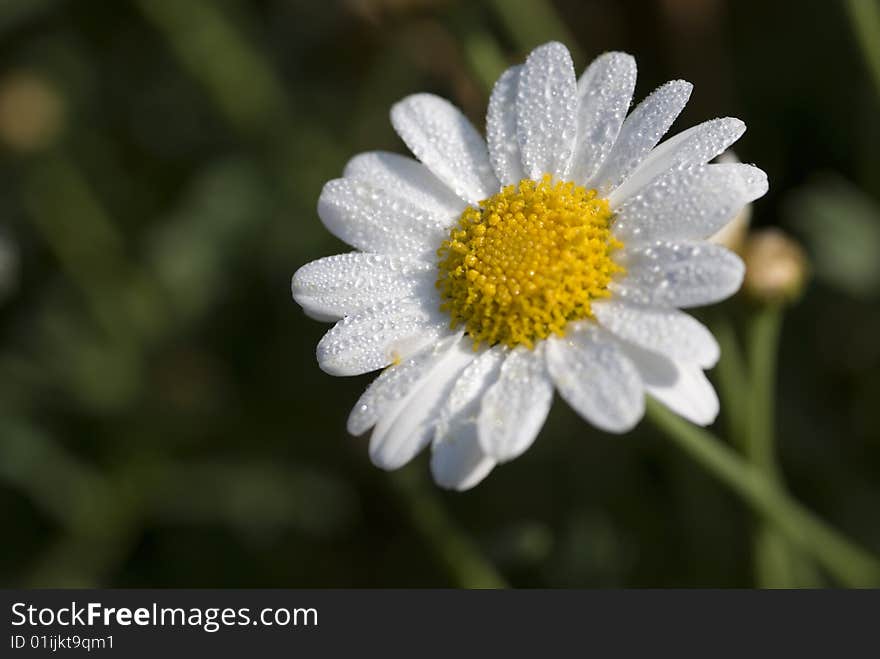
x,y
552,256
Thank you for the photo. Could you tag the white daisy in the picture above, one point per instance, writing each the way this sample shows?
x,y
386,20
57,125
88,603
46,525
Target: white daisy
x,y
556,256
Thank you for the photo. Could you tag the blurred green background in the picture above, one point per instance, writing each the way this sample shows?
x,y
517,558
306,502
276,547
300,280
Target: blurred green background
x,y
162,418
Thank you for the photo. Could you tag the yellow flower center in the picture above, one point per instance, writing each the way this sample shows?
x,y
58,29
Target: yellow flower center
x,y
527,261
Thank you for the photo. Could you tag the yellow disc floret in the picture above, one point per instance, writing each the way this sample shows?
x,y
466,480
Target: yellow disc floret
x,y
527,261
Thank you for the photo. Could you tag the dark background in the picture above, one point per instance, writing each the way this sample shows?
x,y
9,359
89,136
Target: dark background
x,y
162,418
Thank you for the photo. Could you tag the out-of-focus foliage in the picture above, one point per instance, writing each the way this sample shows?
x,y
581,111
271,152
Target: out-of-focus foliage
x,y
162,419
847,258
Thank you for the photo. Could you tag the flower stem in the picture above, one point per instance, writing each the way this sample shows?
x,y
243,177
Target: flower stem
x,y
733,385
458,553
864,18
232,69
846,561
749,417
772,554
485,58
763,342
532,22
777,564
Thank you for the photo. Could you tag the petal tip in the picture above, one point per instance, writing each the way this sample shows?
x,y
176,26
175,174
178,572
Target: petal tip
x,y
550,46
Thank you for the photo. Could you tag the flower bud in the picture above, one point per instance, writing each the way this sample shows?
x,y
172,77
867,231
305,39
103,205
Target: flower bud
x,y
733,234
776,267
31,112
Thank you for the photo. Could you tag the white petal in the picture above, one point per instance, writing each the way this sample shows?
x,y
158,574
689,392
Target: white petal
x,y
680,386
694,146
605,91
458,461
754,178
667,331
594,376
343,284
441,137
688,204
515,407
374,220
395,383
409,426
462,464
642,130
405,178
679,274
546,111
375,337
501,128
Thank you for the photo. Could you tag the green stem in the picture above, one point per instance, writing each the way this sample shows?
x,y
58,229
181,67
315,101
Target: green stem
x,y
458,553
733,385
232,69
846,561
533,22
864,18
99,518
777,563
483,56
91,250
763,342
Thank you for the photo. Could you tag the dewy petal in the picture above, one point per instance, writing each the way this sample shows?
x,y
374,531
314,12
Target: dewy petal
x,y
395,383
594,376
754,178
340,285
605,91
679,274
407,429
441,137
680,386
375,337
461,464
408,179
501,128
374,220
515,407
694,146
458,461
640,132
546,111
668,331
688,204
